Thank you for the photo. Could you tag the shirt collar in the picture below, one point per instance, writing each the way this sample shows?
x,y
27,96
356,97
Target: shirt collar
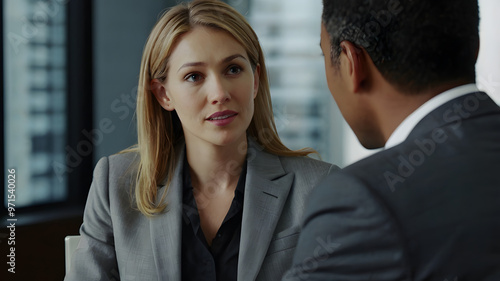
x,y
403,130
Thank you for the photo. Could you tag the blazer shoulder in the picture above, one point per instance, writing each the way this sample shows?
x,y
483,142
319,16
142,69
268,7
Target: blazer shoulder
x,y
116,171
123,160
341,186
123,163
307,167
370,171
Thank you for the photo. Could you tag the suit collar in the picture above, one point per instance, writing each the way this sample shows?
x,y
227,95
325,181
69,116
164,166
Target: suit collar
x,y
266,191
409,123
454,112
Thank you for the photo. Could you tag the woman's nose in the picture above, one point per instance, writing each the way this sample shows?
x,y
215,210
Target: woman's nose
x,y
219,93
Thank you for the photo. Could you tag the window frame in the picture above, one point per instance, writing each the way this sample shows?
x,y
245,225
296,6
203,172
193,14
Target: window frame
x,y
79,117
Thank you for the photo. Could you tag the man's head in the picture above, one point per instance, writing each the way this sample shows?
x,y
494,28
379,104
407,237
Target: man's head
x,y
415,46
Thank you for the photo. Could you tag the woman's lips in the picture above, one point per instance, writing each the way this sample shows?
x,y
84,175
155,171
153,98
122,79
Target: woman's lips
x,y
222,118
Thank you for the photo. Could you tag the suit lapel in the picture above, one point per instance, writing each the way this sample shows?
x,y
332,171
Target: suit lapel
x,y
266,190
166,228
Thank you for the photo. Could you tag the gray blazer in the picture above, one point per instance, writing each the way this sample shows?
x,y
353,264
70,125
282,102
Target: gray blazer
x,y
119,243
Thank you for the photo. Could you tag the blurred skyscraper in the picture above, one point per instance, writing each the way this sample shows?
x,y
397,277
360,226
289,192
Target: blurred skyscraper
x,y
304,110
35,98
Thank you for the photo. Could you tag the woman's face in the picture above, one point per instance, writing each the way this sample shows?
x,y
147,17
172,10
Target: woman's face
x,y
211,85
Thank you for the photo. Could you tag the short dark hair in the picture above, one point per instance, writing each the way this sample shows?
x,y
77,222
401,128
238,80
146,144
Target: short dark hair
x,y
415,44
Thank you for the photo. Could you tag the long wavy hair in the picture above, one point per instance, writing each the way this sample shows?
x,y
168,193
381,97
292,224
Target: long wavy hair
x,y
159,130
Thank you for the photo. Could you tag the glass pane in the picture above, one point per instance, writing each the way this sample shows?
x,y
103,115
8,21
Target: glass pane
x,y
289,32
34,98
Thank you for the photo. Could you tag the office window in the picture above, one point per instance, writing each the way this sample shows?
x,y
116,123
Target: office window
x,y
34,48
46,101
305,113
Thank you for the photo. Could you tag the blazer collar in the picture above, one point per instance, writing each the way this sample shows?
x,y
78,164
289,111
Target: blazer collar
x,y
266,191
454,112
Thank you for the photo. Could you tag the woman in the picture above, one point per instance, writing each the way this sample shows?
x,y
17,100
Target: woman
x,y
210,192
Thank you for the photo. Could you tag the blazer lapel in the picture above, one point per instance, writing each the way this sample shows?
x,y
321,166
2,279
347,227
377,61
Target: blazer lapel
x,y
266,190
166,228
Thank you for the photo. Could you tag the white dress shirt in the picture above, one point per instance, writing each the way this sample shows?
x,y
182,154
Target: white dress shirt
x,y
404,129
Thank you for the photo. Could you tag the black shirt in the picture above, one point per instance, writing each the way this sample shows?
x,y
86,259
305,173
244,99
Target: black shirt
x,y
199,261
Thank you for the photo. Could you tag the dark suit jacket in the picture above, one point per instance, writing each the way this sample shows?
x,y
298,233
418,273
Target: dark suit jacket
x,y
427,209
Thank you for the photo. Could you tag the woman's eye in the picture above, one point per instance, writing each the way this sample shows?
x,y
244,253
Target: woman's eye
x,y
193,77
234,70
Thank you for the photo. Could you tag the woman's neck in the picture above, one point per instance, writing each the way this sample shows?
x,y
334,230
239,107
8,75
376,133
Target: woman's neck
x,y
215,167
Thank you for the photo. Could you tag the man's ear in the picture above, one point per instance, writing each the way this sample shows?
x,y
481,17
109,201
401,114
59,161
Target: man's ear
x,y
355,67
161,96
256,77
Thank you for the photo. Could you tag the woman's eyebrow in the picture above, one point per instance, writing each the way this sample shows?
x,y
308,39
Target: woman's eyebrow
x,y
226,60
230,58
189,64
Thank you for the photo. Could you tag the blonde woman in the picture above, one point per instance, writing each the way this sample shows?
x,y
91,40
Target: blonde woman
x,y
210,192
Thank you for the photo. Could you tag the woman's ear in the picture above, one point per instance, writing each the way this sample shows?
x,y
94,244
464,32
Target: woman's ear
x,y
256,80
161,96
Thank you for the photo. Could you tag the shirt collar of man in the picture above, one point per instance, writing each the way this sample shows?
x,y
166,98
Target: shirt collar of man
x,y
403,130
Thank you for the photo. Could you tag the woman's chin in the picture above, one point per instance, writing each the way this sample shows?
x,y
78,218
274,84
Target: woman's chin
x,y
231,141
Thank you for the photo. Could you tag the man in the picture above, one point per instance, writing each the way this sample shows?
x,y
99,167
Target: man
x,y
427,207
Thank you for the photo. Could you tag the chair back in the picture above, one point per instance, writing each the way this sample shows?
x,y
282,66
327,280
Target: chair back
x,y
70,245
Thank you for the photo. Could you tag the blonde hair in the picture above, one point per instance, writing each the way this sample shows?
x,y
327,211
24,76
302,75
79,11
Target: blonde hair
x,y
159,131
